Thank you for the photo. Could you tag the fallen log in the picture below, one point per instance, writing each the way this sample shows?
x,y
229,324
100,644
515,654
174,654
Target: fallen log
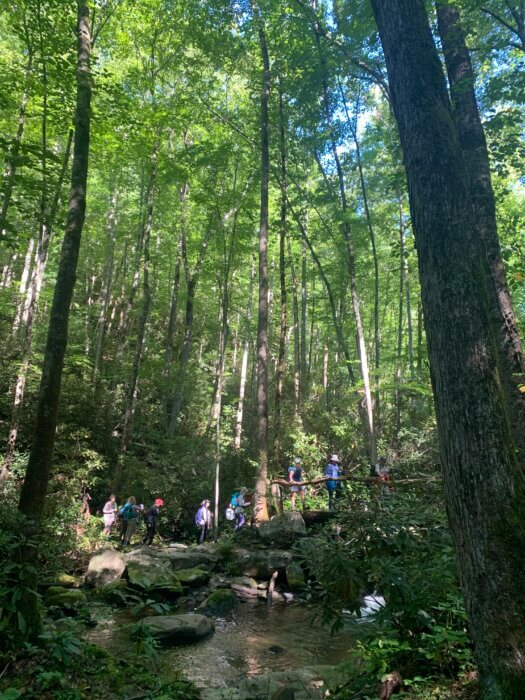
x,y
357,479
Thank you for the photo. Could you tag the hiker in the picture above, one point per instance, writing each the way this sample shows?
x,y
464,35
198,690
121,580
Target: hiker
x,y
295,477
129,519
239,501
152,517
333,470
109,514
381,473
203,520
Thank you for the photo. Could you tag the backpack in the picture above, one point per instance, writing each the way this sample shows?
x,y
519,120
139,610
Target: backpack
x,y
373,473
124,509
235,499
230,513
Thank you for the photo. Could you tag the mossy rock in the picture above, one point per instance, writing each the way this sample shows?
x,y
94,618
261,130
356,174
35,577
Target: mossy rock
x,y
153,575
295,576
193,578
220,602
68,581
113,593
65,597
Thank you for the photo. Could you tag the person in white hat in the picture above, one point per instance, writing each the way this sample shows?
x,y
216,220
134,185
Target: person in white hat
x,y
295,477
333,470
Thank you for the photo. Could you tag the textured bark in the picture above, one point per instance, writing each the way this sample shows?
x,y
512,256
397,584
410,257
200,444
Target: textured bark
x,y
34,488
260,509
474,147
483,484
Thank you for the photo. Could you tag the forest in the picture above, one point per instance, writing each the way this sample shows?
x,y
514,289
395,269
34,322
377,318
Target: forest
x,y
246,245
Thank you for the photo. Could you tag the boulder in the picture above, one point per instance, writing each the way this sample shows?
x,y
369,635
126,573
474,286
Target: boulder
x,y
295,576
152,573
65,597
189,559
193,578
105,566
283,528
260,563
220,602
179,629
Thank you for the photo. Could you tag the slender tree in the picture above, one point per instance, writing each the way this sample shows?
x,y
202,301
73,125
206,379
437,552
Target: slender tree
x,y
260,505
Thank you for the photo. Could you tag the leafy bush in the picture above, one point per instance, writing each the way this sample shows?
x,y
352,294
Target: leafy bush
x,y
402,548
18,575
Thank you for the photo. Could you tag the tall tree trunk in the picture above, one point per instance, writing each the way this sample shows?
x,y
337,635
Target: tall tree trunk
x,y
312,324
23,287
260,510
483,483
474,147
244,364
304,308
170,332
296,335
281,359
27,312
348,236
11,164
34,488
191,283
131,397
105,291
371,234
331,300
400,314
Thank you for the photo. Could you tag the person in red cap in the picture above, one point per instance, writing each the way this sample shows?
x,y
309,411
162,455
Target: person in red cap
x,y
152,517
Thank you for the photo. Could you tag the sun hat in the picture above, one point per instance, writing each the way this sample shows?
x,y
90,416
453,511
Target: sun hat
x,y
159,502
334,458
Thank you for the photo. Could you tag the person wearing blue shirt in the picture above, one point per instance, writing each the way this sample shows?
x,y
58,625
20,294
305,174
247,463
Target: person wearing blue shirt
x,y
295,477
333,470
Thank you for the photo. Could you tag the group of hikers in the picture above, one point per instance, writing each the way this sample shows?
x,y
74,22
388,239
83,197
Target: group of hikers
x,y
333,473
127,517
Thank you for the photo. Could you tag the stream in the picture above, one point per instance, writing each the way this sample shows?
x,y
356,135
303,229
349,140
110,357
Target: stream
x,y
254,639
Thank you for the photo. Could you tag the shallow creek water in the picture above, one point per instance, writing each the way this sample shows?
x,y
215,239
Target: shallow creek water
x,y
255,639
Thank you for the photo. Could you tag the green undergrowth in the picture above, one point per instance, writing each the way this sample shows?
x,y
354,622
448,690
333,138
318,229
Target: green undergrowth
x,y
65,668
